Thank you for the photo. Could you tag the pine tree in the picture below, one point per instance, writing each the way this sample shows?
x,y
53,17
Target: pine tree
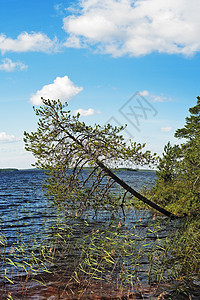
x,y
191,148
64,146
178,185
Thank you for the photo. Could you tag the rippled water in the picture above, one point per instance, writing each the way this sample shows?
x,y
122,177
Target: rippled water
x,y
22,204
24,210
23,207
26,216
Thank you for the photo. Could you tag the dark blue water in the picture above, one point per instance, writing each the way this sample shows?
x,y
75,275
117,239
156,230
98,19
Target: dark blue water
x,y
24,208
26,214
27,217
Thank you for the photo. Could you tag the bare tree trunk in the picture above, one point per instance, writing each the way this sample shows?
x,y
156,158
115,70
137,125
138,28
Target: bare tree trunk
x,y
135,193
122,183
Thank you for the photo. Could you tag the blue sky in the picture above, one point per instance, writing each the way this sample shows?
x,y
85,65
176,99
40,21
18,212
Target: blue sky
x,y
108,59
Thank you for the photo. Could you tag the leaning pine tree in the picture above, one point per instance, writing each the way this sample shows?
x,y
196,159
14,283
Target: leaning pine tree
x,y
64,146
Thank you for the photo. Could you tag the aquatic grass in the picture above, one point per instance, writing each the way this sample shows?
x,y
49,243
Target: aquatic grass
x,y
177,258
19,263
85,254
107,254
187,248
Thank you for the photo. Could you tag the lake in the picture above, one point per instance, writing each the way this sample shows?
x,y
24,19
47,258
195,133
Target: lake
x,y
27,219
25,210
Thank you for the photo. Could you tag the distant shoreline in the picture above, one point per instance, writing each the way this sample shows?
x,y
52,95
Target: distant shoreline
x,y
8,170
86,168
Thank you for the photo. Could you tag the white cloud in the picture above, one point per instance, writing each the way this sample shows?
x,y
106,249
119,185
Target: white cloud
x,y
88,112
7,138
59,9
155,98
135,27
62,88
9,66
144,93
73,42
166,129
161,98
25,42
